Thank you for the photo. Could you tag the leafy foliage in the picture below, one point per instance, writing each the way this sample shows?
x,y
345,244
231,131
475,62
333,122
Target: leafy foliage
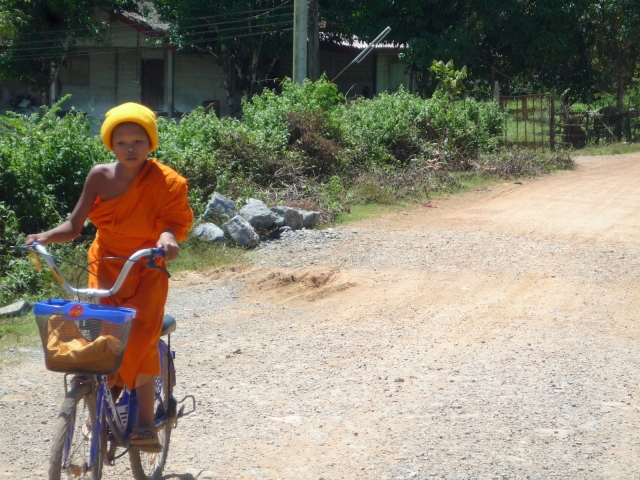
x,y
583,45
266,114
452,80
38,34
44,160
246,37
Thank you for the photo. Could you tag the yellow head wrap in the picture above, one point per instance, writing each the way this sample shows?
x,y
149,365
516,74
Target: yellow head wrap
x,y
130,112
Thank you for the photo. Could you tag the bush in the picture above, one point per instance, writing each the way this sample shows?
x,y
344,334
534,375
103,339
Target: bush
x,y
394,129
387,129
266,114
44,160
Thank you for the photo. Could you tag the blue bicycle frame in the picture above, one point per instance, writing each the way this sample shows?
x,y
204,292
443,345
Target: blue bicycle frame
x,y
122,416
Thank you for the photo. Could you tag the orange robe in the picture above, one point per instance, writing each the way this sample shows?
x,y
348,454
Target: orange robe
x,y
155,201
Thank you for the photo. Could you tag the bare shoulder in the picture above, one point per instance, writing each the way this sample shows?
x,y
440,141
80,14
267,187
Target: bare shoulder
x,y
101,173
103,169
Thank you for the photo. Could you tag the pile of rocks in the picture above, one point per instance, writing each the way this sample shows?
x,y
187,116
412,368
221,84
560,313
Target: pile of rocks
x,y
243,225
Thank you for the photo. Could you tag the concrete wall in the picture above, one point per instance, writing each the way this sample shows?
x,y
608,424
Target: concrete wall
x,y
359,78
98,96
197,79
378,72
115,76
391,72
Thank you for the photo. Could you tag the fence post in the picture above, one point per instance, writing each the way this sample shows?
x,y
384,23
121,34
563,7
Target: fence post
x,y
496,92
552,121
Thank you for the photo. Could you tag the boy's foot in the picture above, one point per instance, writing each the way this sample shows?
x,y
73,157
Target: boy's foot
x,y
145,439
86,429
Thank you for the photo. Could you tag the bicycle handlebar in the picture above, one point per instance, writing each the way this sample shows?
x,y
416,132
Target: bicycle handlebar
x,y
92,292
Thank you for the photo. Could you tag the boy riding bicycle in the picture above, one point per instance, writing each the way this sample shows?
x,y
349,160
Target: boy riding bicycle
x,y
135,203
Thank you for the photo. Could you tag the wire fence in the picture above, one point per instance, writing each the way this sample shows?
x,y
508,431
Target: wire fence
x,y
541,123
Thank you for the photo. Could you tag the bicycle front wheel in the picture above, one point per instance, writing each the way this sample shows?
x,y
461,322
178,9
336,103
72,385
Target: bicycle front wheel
x,y
71,445
149,466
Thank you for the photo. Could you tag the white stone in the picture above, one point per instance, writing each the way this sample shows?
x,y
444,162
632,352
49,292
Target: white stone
x,y
209,232
17,308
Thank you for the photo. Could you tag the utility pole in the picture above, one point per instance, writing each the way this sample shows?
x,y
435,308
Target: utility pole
x,y
314,40
300,26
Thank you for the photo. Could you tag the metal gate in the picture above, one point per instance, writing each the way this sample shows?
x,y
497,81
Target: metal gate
x,y
528,121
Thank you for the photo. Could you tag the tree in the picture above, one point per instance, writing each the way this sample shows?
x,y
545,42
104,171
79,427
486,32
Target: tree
x,y
451,83
38,34
246,37
543,43
616,48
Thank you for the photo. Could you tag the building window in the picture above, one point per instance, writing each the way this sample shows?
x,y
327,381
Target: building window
x,y
75,70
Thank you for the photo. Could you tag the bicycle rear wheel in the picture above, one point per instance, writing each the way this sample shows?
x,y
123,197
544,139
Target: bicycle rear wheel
x,y
149,466
71,445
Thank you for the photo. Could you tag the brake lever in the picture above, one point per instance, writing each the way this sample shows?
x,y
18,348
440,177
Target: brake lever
x,y
151,264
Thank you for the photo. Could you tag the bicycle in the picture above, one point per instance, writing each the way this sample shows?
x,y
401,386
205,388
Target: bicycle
x,y
87,341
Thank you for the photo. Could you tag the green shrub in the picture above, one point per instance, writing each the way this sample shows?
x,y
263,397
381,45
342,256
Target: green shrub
x,y
266,114
396,128
385,129
44,160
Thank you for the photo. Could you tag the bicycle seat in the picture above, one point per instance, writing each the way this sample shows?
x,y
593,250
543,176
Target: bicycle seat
x,y
168,325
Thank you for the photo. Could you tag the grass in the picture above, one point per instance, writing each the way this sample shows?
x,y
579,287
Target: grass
x,y
18,331
198,255
368,210
466,181
608,149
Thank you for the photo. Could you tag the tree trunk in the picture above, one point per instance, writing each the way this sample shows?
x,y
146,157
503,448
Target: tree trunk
x,y
44,97
620,97
253,76
314,41
620,89
227,84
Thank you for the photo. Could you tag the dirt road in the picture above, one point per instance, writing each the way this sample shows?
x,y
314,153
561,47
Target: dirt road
x,y
495,336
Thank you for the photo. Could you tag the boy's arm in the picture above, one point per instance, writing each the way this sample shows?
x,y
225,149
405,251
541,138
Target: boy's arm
x,y
169,243
70,229
175,219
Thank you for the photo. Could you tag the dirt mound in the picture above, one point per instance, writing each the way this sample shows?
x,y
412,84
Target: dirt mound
x,y
308,285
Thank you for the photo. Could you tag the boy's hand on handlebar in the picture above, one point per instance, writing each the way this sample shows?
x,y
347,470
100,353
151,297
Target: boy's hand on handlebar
x,y
169,243
41,238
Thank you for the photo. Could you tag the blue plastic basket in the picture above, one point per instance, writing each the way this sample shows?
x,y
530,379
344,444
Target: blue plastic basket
x,y
79,337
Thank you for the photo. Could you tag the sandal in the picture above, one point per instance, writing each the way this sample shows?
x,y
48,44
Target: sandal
x,y
145,439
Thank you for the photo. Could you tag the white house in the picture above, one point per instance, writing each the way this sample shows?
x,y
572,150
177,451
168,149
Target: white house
x,y
171,83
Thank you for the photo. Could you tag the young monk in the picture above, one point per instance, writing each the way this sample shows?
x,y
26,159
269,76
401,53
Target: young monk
x,y
136,203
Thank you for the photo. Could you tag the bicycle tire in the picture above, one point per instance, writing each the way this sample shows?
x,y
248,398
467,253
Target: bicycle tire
x,y
71,423
149,466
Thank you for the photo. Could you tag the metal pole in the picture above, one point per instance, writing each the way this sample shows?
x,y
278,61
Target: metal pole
x,y
300,25
552,121
364,52
170,102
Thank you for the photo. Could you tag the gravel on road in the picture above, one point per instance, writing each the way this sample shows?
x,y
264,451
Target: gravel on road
x,y
488,338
